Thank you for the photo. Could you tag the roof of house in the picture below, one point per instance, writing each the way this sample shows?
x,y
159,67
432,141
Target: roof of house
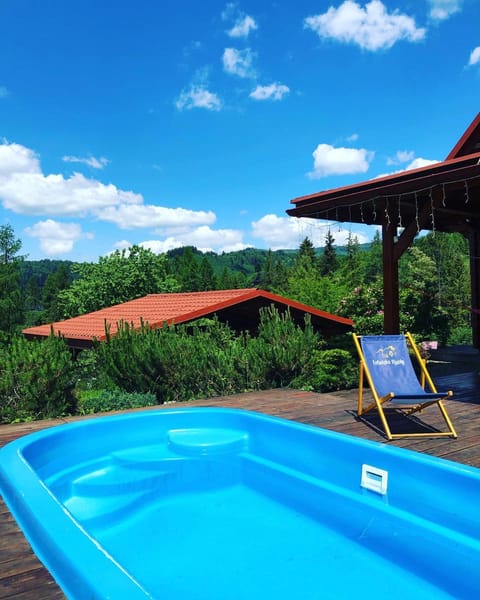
x,y
239,307
447,186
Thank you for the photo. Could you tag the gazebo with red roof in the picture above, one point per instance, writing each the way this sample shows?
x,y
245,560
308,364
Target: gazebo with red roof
x,y
443,197
240,308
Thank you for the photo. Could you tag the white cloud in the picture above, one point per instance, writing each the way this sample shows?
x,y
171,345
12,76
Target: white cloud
x,y
443,9
401,156
198,96
24,189
148,216
274,91
15,158
56,238
419,162
91,161
288,232
122,245
474,56
39,194
203,238
238,62
329,160
3,91
416,163
371,28
243,26
353,138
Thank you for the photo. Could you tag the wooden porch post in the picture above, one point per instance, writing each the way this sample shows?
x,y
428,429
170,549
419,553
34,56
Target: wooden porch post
x,y
474,243
391,315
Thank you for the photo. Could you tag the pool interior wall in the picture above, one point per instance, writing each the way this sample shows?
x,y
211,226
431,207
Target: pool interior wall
x,y
221,503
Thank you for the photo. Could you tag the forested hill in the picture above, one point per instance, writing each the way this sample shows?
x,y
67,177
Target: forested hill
x,y
433,278
248,262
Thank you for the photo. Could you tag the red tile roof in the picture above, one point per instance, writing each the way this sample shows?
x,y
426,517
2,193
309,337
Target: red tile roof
x,y
239,307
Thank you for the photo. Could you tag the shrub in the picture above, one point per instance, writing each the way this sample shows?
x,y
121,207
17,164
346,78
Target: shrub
x,y
36,379
461,336
328,370
94,401
175,363
282,348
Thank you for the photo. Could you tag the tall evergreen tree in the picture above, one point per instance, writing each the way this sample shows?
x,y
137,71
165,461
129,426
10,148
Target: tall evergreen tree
x,y
55,283
208,280
306,256
187,270
328,260
351,270
11,298
373,259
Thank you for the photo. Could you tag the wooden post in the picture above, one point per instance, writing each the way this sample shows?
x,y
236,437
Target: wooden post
x,y
391,316
474,243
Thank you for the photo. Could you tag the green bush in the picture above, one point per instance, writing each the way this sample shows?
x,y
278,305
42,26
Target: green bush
x,y
95,401
207,359
282,348
36,379
327,371
460,336
176,363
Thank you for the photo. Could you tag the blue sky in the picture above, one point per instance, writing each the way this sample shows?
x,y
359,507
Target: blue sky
x,y
195,123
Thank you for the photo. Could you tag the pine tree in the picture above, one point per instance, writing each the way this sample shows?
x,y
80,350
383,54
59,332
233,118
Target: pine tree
x,y
328,260
306,256
11,299
208,280
373,259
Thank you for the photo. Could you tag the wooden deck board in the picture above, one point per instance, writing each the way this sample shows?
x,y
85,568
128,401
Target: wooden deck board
x,y
23,577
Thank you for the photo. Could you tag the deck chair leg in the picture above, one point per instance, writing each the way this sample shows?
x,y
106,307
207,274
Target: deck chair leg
x,y
388,433
447,419
360,391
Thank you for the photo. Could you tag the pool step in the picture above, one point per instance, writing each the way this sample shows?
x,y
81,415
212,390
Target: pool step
x,y
117,480
145,457
207,441
103,512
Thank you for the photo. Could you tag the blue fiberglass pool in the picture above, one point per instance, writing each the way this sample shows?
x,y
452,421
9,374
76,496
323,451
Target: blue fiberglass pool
x,y
219,504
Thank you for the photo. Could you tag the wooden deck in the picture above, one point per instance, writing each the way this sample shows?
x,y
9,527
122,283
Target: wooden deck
x,y
23,577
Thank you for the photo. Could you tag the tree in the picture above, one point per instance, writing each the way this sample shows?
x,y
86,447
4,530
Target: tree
x,y
328,260
11,299
274,276
187,271
306,256
9,246
351,270
119,277
208,280
373,258
417,277
54,284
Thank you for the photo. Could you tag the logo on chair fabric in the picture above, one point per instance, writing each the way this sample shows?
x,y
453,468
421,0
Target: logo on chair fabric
x,y
387,356
387,352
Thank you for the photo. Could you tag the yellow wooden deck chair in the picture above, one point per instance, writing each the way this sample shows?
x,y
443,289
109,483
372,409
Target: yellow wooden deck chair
x,y
386,365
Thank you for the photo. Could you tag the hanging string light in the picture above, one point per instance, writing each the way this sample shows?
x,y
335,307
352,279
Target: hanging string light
x,y
416,213
361,212
444,195
387,213
400,211
467,196
374,211
432,214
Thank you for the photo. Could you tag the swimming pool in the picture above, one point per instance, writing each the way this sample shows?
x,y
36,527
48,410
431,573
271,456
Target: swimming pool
x,y
224,504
